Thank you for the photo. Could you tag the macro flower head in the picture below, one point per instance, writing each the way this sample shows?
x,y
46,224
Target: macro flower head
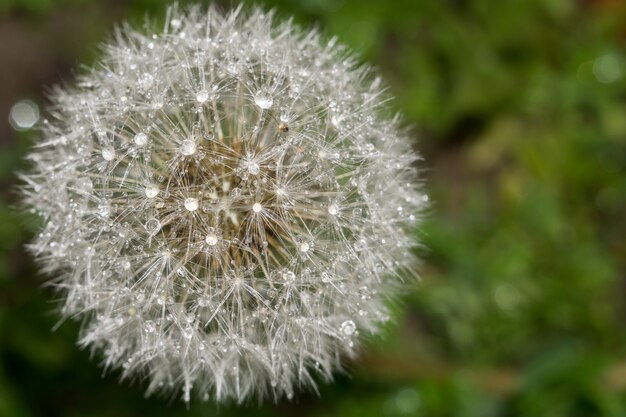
x,y
227,204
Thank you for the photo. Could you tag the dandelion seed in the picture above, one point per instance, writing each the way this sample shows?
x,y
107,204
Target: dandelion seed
x,y
205,250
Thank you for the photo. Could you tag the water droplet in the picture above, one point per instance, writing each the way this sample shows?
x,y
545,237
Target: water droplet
x,y
257,207
108,153
188,332
304,247
104,209
202,96
149,326
364,293
153,225
333,209
24,114
151,191
191,204
253,168
176,23
211,239
263,101
336,119
188,147
289,276
83,185
348,327
141,139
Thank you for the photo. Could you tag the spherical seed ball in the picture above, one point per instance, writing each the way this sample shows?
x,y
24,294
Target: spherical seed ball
x,y
226,205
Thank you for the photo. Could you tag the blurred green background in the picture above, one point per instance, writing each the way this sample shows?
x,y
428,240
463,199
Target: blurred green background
x,y
519,107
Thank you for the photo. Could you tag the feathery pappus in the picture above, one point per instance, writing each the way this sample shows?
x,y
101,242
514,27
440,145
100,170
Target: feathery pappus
x,y
227,204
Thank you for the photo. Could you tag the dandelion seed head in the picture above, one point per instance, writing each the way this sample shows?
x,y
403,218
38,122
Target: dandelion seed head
x,y
227,205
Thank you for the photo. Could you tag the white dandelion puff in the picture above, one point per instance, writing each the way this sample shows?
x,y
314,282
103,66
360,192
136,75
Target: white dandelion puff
x,y
226,205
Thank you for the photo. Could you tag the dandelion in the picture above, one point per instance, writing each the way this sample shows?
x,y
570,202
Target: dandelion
x,y
226,205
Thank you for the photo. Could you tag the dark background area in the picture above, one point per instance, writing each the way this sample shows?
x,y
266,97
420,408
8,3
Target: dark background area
x,y
519,108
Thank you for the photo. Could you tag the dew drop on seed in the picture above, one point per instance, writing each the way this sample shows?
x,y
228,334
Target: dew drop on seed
x,y
151,191
188,147
211,239
108,153
304,247
289,276
336,120
348,327
188,332
153,225
149,326
141,139
202,96
104,209
257,207
253,168
263,101
333,210
191,204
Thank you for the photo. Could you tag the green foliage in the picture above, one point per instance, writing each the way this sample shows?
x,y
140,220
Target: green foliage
x,y
520,107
